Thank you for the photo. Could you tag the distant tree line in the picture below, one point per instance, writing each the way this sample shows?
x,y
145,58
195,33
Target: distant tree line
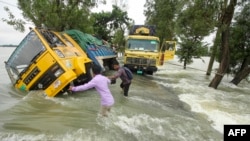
x,y
9,45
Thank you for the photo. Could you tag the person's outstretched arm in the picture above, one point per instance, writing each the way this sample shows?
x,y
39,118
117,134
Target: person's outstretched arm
x,y
84,87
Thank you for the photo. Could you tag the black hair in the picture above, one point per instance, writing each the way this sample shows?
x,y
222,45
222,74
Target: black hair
x,y
96,69
115,63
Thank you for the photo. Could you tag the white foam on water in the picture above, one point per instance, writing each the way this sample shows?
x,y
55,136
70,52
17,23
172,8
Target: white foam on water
x,y
82,135
141,124
220,112
138,126
149,102
76,135
64,101
221,107
20,137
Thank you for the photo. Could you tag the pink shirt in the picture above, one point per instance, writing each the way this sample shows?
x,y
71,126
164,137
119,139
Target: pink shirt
x,y
100,83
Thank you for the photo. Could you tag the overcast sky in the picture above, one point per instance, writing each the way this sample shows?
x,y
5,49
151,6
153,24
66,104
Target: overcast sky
x,y
10,36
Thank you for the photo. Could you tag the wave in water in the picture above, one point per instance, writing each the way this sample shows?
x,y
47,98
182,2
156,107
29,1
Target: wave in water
x,y
226,105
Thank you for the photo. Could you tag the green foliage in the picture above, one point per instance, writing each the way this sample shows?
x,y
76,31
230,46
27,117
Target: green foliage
x,y
100,25
190,49
18,24
108,23
162,14
191,21
194,23
118,40
58,15
111,26
185,51
62,15
240,39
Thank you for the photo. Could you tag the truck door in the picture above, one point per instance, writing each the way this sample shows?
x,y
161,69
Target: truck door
x,y
161,61
170,47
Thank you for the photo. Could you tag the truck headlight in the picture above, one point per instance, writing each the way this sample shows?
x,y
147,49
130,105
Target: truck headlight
x,y
59,53
151,62
58,72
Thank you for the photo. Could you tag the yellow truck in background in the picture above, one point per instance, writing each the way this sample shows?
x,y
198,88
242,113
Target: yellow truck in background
x,y
143,52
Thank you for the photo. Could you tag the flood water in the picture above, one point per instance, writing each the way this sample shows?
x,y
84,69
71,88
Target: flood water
x,y
172,105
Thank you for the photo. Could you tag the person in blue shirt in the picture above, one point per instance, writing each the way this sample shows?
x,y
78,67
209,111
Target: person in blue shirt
x,y
126,82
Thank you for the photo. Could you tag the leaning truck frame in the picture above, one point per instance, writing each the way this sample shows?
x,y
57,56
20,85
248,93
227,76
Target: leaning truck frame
x,y
49,61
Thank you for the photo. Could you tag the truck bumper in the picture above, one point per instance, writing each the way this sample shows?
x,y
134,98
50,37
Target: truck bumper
x,y
141,68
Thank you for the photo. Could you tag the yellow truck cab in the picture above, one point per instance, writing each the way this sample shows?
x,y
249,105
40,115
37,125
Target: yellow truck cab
x,y
143,52
49,61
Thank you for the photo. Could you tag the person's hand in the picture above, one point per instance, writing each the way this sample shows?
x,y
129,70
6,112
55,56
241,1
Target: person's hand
x,y
70,88
113,81
110,77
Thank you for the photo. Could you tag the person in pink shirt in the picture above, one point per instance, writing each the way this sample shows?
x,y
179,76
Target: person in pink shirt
x,y
101,84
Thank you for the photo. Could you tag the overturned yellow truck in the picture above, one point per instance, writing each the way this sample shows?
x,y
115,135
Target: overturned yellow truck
x,y
143,52
50,61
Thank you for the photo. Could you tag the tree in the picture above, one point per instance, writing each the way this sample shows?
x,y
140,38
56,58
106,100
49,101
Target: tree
x,y
214,52
240,46
217,40
162,14
18,24
194,23
107,23
58,15
119,41
61,15
226,19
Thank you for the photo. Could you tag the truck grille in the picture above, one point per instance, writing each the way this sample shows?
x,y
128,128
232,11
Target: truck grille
x,y
47,78
141,61
32,75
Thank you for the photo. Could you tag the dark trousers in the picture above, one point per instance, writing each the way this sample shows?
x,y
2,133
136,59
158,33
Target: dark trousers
x,y
125,88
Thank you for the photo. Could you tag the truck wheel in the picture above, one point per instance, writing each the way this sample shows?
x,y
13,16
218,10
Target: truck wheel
x,y
150,72
84,78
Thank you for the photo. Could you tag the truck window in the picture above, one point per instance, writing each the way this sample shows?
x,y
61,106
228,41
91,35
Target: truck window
x,y
52,39
170,46
29,49
146,45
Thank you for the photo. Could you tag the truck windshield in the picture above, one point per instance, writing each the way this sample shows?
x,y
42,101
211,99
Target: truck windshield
x,y
145,45
27,51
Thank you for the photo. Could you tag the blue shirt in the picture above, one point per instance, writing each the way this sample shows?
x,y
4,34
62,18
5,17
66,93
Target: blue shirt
x,y
123,76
